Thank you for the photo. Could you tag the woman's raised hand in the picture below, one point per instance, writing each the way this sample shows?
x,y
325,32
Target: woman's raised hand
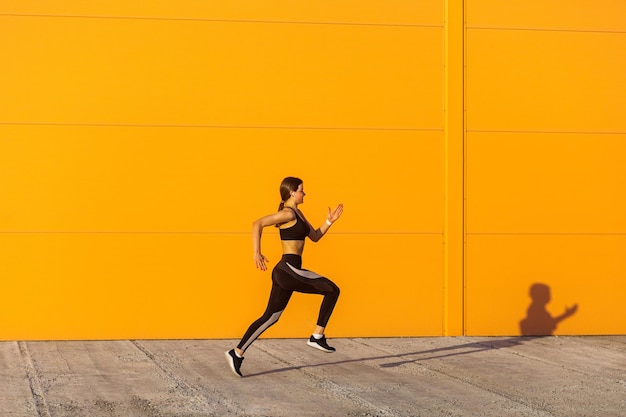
x,y
334,215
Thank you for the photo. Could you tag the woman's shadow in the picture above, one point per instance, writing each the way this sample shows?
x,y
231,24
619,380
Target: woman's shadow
x,y
538,321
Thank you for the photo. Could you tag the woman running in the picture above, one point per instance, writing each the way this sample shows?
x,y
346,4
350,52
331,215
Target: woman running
x,y
288,275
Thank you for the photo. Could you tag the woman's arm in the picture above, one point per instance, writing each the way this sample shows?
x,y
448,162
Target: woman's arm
x,y
282,216
316,234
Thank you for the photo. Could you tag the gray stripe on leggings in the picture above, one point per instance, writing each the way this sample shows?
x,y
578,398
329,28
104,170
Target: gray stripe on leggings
x,y
304,273
273,319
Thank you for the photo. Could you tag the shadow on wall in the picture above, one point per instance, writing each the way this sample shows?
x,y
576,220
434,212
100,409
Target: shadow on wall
x,y
538,321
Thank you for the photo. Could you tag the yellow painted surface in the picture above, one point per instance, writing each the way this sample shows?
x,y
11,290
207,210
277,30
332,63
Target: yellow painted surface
x,y
567,15
391,12
546,183
196,285
545,166
545,81
582,270
215,73
147,239
136,179
139,142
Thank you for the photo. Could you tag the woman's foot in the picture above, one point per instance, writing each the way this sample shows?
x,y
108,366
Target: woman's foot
x,y
234,361
320,344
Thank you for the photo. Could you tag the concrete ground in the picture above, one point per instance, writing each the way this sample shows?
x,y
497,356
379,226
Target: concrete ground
x,y
447,376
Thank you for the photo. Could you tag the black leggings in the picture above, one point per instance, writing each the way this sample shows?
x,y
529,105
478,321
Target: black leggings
x,y
287,277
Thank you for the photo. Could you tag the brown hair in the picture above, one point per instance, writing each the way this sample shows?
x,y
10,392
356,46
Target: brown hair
x,y
287,186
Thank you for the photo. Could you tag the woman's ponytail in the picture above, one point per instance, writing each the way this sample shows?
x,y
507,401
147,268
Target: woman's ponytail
x,y
287,186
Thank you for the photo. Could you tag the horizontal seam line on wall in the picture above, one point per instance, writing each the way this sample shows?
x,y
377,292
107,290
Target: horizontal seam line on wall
x,y
100,232
523,29
556,132
425,129
190,19
543,234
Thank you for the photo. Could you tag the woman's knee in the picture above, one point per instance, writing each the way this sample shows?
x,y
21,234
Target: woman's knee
x,y
334,289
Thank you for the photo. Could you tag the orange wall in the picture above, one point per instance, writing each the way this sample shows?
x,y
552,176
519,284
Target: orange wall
x,y
545,163
138,143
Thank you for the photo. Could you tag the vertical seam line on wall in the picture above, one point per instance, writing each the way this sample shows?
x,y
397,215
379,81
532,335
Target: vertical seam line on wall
x,y
464,92
454,154
446,196
444,248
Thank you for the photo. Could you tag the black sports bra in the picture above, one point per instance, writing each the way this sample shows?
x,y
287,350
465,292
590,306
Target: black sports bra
x,y
298,231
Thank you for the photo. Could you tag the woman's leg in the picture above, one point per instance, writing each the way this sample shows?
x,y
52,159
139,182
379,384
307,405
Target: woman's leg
x,y
330,291
312,283
279,297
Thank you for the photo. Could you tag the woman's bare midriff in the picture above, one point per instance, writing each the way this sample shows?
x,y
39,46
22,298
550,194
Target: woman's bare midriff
x,y
295,247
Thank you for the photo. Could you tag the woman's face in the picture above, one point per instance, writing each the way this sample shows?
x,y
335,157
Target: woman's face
x,y
299,194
